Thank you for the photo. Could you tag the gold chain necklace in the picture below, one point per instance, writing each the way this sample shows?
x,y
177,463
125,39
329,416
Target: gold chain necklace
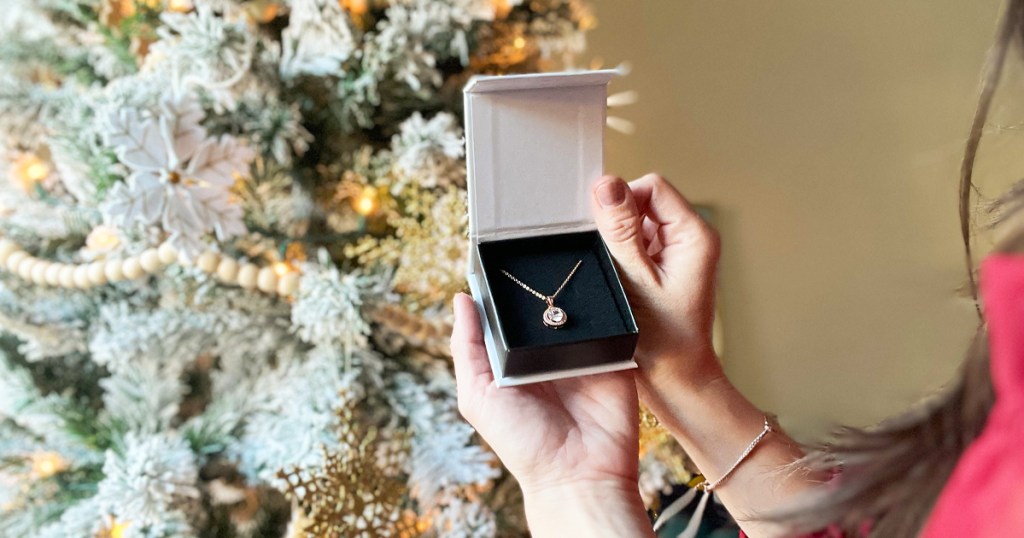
x,y
554,317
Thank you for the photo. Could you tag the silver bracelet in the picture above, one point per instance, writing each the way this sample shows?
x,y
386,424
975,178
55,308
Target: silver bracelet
x,y
707,486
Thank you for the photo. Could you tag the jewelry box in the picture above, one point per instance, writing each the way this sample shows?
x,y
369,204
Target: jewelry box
x,y
550,299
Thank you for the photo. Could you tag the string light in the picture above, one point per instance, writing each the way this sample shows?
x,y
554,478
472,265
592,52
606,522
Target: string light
x,y
124,8
368,202
355,7
119,528
47,464
179,6
29,170
519,42
262,11
282,268
501,9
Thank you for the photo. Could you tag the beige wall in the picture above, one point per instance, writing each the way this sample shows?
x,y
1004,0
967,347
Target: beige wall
x,y
826,134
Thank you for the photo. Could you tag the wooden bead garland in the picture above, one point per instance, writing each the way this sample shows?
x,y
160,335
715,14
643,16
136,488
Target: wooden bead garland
x,y
168,254
97,275
207,261
289,284
150,261
247,276
67,276
227,270
266,280
113,271
132,268
100,272
53,274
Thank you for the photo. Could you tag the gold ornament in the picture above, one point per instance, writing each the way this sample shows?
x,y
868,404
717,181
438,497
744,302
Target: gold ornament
x,y
427,247
358,493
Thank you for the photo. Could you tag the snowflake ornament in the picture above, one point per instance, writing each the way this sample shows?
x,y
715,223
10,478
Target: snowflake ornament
x,y
180,178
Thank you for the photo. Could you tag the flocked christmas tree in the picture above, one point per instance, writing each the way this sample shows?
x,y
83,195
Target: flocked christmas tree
x,y
231,230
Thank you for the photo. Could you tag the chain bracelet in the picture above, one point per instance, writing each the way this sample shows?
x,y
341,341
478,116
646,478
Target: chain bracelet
x,y
706,486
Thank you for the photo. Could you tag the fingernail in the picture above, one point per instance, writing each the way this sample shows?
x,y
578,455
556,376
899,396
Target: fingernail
x,y
612,193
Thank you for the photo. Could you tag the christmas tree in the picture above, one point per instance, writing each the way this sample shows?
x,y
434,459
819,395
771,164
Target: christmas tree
x,y
230,233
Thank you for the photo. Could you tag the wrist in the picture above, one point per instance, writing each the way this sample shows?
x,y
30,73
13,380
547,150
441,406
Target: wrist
x,y
606,507
688,371
611,487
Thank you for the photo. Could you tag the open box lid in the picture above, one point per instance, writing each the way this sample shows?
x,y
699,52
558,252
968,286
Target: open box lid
x,y
535,144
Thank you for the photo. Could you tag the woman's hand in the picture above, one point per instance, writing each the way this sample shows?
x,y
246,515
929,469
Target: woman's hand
x,y
667,257
572,444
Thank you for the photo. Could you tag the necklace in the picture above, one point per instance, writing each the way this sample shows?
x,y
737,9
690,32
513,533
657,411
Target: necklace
x,y
553,317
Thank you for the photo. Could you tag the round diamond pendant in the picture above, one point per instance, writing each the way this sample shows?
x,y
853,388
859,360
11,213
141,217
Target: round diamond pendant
x,y
555,317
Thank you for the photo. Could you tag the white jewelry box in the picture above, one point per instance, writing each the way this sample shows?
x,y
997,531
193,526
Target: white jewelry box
x,y
535,147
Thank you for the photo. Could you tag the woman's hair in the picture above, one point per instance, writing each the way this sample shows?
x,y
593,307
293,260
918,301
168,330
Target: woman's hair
x,y
891,475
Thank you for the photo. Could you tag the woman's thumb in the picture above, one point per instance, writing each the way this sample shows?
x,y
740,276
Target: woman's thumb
x,y
619,222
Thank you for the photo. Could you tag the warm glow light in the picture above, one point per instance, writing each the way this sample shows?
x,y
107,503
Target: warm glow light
x,y
47,464
37,171
125,8
519,43
262,11
118,529
179,6
367,203
355,7
28,170
281,268
366,206
501,9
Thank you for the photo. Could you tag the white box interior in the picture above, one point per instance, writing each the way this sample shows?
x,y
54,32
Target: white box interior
x,y
535,146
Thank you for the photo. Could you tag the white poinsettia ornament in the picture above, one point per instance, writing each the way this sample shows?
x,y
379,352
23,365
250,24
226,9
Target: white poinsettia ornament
x,y
180,176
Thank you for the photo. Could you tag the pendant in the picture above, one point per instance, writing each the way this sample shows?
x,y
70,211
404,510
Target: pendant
x,y
554,317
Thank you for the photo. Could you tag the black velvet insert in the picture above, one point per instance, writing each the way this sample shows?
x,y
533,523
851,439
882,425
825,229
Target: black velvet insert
x,y
593,298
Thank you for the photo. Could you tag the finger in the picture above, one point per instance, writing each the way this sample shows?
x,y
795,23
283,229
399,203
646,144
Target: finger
x,y
619,223
472,371
679,223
